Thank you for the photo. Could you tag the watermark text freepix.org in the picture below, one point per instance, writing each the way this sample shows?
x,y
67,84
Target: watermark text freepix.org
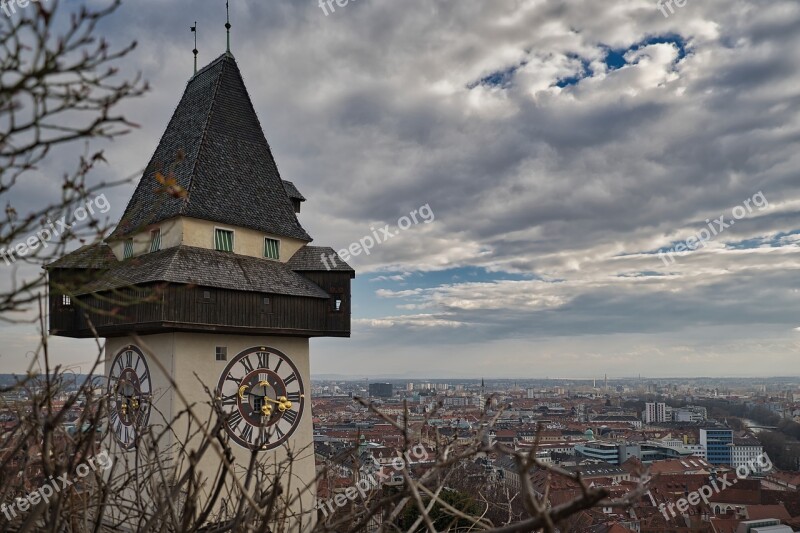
x,y
9,7
379,236
714,228
663,5
54,229
369,482
327,5
55,485
761,463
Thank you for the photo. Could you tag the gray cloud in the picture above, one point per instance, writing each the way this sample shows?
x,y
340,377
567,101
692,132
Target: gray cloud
x,y
379,108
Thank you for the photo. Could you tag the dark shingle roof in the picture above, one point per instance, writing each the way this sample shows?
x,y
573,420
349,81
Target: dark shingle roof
x,y
309,259
94,256
206,268
227,170
292,191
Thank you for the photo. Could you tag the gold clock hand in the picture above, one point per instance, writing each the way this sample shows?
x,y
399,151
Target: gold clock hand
x,y
282,402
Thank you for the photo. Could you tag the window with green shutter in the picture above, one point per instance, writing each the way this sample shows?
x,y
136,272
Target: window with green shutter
x,y
128,251
223,240
155,240
272,248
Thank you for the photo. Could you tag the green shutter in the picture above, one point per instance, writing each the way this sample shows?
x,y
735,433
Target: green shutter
x,y
128,252
271,249
155,242
223,240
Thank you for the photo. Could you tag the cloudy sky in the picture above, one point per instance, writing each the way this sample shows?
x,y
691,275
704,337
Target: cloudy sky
x,y
561,146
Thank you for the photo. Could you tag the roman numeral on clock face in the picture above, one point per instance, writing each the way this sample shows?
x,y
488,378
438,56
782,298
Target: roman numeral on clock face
x,y
263,360
229,400
248,366
293,396
290,416
141,417
291,379
247,433
129,358
234,419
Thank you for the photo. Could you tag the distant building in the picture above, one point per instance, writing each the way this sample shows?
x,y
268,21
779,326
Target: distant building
x,y
654,412
769,525
457,401
617,453
380,390
602,451
748,453
718,444
690,413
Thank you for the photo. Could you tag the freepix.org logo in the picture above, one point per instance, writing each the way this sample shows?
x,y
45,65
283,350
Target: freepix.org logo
x,y
714,228
372,479
380,236
715,485
9,7
55,485
53,229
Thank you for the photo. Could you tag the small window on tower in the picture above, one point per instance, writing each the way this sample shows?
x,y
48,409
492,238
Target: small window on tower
x,y
128,251
223,240
66,301
222,353
272,248
337,304
155,240
206,295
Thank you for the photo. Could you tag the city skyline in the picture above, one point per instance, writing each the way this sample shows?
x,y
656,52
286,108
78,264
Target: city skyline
x,y
564,158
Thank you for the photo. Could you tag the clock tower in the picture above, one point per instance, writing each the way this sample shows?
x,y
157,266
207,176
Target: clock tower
x,y
207,293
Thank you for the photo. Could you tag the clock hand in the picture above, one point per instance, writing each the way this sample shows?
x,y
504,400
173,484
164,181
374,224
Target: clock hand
x,y
282,402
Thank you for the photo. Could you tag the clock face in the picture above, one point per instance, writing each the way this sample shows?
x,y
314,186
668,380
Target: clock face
x,y
130,395
262,397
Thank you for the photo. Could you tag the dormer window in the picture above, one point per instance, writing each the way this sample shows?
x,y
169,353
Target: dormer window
x,y
155,240
127,252
272,249
223,240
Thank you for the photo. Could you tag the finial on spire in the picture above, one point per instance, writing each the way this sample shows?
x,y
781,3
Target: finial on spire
x,y
228,24
194,30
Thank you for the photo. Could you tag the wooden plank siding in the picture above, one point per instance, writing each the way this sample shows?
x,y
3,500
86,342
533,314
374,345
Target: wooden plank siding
x,y
170,307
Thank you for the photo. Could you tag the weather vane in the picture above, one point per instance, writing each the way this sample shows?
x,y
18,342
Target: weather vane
x,y
194,30
228,24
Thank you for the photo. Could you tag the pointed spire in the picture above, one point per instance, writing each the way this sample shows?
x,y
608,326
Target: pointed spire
x,y
194,51
225,164
228,24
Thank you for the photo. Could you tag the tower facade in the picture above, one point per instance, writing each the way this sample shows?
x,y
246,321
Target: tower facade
x,y
207,293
